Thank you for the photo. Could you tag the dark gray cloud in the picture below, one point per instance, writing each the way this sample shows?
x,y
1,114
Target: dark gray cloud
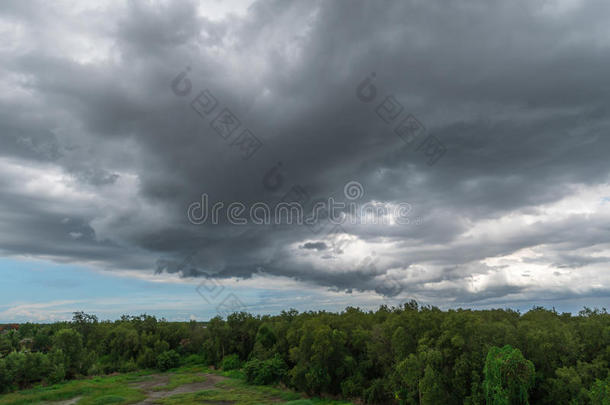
x,y
315,246
101,158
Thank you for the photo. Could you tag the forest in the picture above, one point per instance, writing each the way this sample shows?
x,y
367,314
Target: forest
x,y
409,354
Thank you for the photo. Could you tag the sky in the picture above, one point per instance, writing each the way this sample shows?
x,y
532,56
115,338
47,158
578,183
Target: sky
x,y
466,140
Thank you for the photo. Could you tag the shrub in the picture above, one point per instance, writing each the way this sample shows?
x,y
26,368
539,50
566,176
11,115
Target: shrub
x,y
95,370
147,358
195,359
377,393
15,365
600,392
167,360
251,370
230,362
265,372
352,386
129,366
57,375
107,365
23,369
5,378
36,367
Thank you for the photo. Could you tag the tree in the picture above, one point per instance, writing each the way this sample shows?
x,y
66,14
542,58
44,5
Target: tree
x,y
396,356
567,387
431,388
5,378
124,342
70,342
600,392
84,323
407,374
15,365
36,367
508,376
58,369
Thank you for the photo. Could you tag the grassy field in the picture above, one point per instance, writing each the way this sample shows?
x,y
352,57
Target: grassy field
x,y
187,385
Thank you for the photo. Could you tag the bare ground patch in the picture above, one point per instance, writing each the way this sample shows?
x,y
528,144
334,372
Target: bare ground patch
x,y
159,380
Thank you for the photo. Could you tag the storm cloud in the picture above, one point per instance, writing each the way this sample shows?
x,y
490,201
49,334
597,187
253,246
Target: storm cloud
x,y
113,122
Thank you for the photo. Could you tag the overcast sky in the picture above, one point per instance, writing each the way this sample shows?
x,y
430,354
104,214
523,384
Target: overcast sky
x,y
487,119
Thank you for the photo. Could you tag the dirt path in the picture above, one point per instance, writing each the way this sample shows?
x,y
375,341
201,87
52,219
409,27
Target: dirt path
x,y
159,380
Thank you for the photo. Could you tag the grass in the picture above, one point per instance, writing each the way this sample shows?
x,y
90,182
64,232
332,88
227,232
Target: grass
x,y
238,392
120,389
95,391
317,402
182,377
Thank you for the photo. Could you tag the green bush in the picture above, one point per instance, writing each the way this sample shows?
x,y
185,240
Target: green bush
x,y
5,379
14,366
168,360
265,372
107,365
57,374
147,358
195,359
23,369
600,392
352,386
36,367
230,362
377,393
129,366
94,370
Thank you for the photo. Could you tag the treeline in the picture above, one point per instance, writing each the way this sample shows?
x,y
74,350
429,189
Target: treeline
x,y
405,355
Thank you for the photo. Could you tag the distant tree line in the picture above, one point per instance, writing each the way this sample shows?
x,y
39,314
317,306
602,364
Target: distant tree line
x,y
405,355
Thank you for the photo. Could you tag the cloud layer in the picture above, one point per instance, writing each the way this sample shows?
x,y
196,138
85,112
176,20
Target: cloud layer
x,y
101,154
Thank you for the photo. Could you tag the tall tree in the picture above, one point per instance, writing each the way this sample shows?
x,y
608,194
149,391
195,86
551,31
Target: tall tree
x,y
508,377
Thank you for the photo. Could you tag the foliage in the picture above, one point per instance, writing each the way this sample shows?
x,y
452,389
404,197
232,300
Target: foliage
x,y
400,355
168,360
91,391
69,343
230,362
600,392
264,372
123,389
508,376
